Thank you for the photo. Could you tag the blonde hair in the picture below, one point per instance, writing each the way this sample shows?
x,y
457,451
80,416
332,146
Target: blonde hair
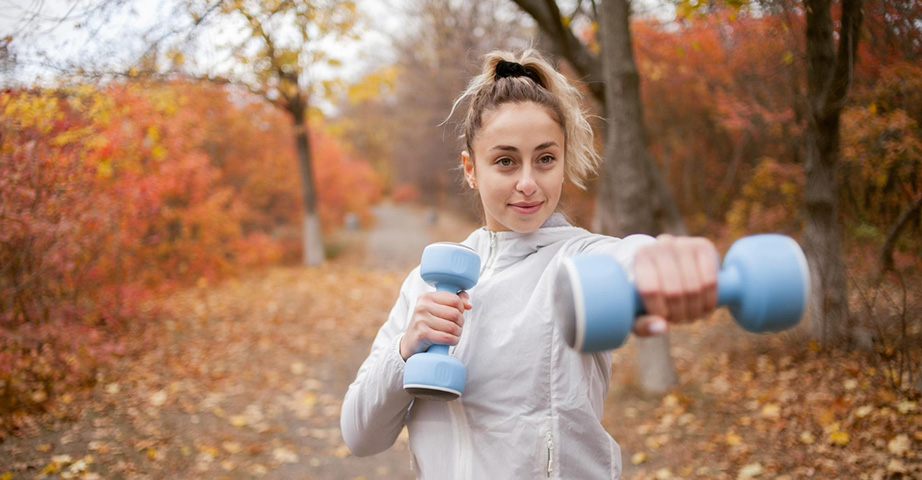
x,y
552,90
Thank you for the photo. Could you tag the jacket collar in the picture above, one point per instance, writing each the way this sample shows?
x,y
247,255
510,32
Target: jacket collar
x,y
514,246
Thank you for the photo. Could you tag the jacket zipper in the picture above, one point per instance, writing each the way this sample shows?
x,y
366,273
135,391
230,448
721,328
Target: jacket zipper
x,y
490,256
550,453
456,408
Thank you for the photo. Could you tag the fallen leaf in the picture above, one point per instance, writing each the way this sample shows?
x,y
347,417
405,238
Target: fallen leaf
x,y
158,399
750,471
284,455
896,466
898,445
771,411
733,439
840,438
638,458
863,411
663,474
232,447
806,438
906,407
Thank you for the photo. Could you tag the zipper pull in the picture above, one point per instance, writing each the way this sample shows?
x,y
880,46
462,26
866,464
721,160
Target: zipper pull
x,y
550,453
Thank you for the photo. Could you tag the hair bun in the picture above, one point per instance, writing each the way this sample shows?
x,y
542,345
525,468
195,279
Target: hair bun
x,y
506,69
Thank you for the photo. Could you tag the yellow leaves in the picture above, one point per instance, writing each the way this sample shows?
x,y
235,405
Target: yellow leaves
x,y
732,439
238,421
104,168
176,57
64,466
6,476
638,458
837,436
771,411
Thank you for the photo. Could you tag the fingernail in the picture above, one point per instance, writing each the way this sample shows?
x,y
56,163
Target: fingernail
x,y
658,327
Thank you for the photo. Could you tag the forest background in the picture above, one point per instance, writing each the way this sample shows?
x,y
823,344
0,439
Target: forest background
x,y
174,161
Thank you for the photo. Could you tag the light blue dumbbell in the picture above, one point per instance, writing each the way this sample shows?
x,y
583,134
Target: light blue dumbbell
x,y
764,281
434,374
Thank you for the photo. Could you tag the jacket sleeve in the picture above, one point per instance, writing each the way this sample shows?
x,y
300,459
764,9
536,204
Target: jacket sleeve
x,y
375,407
623,251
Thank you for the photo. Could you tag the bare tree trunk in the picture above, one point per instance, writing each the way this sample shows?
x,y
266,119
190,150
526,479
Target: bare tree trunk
x,y
628,190
313,238
828,79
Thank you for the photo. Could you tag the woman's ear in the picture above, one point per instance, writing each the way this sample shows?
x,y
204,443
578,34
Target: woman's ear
x,y
468,164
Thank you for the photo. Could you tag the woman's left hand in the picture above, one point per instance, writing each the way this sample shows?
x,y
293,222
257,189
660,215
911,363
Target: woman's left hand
x,y
677,280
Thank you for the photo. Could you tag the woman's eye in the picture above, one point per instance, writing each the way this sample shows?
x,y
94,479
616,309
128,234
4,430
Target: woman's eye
x,y
546,159
504,161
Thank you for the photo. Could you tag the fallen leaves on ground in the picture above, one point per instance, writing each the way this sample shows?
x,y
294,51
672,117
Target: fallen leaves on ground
x,y
763,407
239,380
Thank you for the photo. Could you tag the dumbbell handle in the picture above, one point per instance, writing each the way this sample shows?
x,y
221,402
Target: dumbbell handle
x,y
438,347
728,290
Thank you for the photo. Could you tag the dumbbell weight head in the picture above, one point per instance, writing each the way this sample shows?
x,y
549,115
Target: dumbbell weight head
x,y
594,302
434,374
764,282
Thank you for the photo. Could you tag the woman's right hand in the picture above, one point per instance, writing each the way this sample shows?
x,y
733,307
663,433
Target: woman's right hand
x,y
437,318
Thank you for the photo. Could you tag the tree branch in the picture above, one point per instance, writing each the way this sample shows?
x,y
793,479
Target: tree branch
x,y
886,253
547,15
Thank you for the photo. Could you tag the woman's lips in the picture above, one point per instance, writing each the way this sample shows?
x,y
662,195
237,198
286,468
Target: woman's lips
x,y
526,208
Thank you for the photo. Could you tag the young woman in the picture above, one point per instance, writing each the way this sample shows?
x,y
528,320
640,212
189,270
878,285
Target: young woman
x,y
532,407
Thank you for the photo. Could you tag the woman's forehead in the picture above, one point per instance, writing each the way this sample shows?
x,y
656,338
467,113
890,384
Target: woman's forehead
x,y
521,126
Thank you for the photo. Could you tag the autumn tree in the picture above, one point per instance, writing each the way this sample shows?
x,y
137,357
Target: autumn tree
x,y
279,51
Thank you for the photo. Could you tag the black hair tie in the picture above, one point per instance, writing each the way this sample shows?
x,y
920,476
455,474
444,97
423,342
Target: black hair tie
x,y
506,69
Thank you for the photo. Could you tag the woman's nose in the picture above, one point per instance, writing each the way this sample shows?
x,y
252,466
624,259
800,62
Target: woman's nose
x,y
526,184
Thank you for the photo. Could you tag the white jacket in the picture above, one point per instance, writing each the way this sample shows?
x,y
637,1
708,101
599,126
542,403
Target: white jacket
x,y
532,407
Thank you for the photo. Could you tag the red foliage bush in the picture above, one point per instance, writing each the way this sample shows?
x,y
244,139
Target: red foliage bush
x,y
110,195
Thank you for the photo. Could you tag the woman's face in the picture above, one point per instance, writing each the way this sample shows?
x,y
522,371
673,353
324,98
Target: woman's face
x,y
517,166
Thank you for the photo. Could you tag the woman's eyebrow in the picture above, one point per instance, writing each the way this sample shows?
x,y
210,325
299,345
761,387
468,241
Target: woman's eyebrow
x,y
505,148
510,148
